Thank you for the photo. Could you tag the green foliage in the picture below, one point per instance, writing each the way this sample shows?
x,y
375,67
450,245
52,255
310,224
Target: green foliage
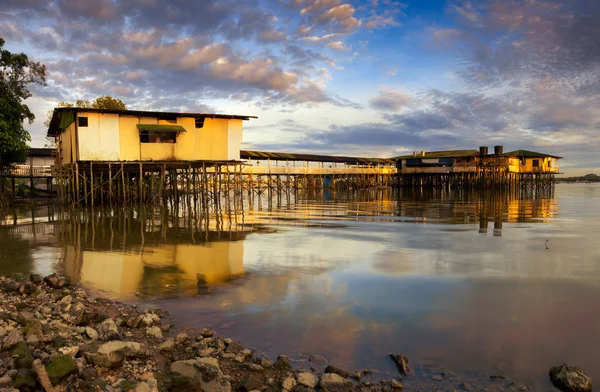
x,y
102,102
17,72
108,102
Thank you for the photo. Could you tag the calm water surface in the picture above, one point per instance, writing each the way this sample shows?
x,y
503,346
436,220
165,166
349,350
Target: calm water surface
x,y
478,285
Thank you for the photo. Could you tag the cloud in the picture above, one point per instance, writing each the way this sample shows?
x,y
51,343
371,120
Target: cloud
x,y
388,100
338,45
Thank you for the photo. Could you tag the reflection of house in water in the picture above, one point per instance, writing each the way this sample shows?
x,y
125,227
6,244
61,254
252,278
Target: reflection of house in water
x,y
456,207
134,259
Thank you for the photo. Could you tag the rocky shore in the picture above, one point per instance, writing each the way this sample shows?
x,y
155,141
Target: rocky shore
x,y
56,337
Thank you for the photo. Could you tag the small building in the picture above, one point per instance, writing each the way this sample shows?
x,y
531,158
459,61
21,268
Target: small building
x,y
40,157
438,162
84,134
524,161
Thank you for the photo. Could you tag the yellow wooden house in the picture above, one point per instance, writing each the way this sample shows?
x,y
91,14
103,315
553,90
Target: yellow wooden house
x,y
525,161
85,134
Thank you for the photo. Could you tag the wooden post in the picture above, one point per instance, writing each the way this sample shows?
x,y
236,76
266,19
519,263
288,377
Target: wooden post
x,y
77,183
92,183
141,189
110,185
123,183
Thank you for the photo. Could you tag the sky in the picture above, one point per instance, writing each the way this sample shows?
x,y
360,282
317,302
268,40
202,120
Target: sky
x,y
370,78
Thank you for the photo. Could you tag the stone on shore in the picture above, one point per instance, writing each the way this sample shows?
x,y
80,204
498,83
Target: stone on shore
x,y
570,379
61,367
56,282
12,339
401,363
331,382
108,330
307,379
154,332
338,371
113,353
282,363
167,345
92,333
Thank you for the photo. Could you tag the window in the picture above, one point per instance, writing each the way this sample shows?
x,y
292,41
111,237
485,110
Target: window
x,y
158,137
536,163
82,121
199,122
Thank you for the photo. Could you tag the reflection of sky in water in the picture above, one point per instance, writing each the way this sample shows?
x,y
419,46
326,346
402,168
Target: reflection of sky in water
x,y
355,279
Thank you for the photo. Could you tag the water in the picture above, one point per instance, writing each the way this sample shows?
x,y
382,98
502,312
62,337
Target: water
x,y
476,285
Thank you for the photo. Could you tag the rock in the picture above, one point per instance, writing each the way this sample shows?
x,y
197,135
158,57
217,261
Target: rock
x,y
395,384
12,339
70,351
464,386
32,341
3,332
182,338
112,353
338,371
207,333
60,368
239,358
332,382
56,282
289,384
33,327
8,286
570,379
437,377
167,345
307,379
154,332
206,352
22,354
72,313
318,360
186,368
401,363
255,367
234,347
208,361
283,363
92,333
35,278
264,362
250,382
149,386
108,330
25,380
27,288
59,326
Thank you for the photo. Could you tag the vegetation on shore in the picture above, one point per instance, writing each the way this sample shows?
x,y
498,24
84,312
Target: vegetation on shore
x,y
586,178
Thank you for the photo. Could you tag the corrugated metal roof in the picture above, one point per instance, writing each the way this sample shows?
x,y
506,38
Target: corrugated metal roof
x,y
281,156
441,154
530,154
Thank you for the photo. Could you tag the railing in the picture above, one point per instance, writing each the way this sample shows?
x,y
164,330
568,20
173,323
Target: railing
x,y
27,171
260,170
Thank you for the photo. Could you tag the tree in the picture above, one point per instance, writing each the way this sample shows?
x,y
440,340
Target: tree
x,y
103,102
17,72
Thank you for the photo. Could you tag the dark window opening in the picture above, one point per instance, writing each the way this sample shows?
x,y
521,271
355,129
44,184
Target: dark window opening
x,y
169,118
82,121
158,137
536,163
200,122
